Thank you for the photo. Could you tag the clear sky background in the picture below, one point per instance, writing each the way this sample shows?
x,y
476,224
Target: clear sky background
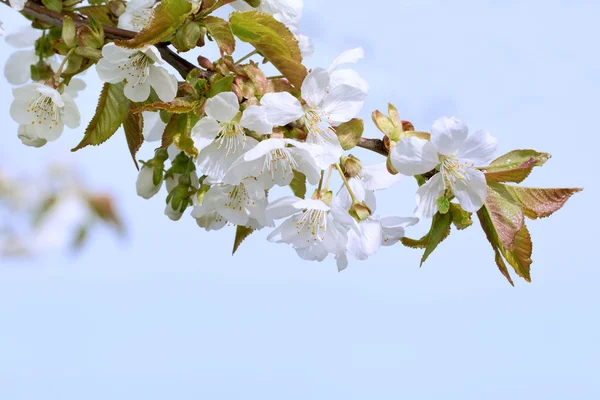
x,y
169,314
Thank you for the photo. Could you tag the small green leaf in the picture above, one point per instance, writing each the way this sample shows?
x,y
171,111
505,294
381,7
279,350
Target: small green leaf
x,y
443,205
53,5
241,233
220,85
515,166
220,30
298,185
440,230
349,133
111,112
133,127
166,18
460,218
273,40
178,131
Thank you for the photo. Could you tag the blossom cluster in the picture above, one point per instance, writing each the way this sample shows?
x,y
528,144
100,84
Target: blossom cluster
x,y
230,137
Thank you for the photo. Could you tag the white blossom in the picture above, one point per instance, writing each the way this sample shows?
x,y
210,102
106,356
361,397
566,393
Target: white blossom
x,y
139,68
272,163
366,237
457,155
242,204
325,107
137,15
44,110
28,136
220,137
313,228
17,69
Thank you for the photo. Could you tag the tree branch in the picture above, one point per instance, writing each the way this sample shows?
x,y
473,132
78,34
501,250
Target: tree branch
x,y
375,145
54,18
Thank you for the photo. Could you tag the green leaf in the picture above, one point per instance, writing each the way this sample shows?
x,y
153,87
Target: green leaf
x,y
298,185
515,166
102,14
133,127
440,230
241,233
111,112
539,203
460,218
273,40
53,5
178,131
166,18
443,205
220,30
220,85
492,236
349,133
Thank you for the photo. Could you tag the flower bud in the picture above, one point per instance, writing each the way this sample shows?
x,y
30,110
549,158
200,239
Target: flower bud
x,y
351,166
68,32
91,36
117,8
360,211
187,36
146,185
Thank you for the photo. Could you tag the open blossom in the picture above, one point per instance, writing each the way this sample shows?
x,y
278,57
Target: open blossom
x,y
220,137
139,68
365,238
313,228
244,205
457,155
325,106
137,15
44,110
272,163
28,137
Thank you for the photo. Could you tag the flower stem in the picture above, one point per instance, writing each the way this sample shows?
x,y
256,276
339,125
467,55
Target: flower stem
x,y
276,77
321,182
62,65
247,56
328,177
352,196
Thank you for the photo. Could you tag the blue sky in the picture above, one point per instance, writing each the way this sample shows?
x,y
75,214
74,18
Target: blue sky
x,y
168,313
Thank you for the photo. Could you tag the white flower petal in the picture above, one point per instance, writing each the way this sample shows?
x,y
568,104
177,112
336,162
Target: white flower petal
x,y
205,132
263,148
108,73
471,192
348,77
343,103
315,87
138,92
164,84
282,207
307,48
312,253
427,196
145,186
394,228
23,37
448,135
18,66
414,156
255,119
368,243
351,56
311,204
153,126
223,107
153,53
478,149
306,164
377,177
113,53
70,113
282,108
